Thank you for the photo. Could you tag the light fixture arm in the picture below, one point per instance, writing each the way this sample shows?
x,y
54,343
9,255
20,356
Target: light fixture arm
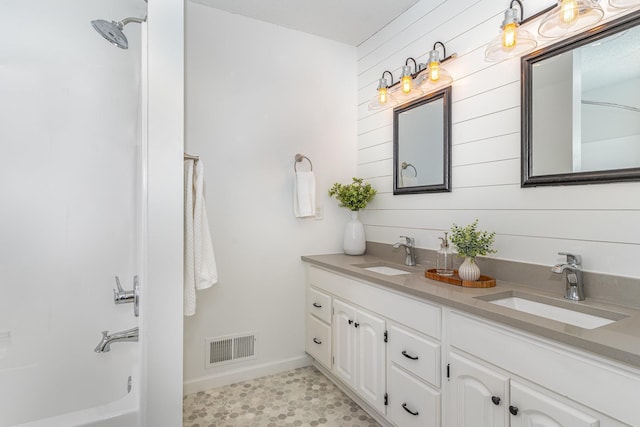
x,y
520,7
444,51
415,64
391,75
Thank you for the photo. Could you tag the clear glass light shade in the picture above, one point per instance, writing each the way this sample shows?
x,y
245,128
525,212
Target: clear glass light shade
x,y
569,17
517,43
434,77
383,99
623,4
401,96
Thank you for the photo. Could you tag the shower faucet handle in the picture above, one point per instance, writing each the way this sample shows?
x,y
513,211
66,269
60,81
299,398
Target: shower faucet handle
x,y
120,296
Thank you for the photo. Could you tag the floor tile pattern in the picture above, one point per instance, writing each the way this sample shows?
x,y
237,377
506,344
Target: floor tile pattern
x,y
301,397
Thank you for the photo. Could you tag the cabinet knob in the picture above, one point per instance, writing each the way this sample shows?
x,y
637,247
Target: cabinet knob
x,y
415,414
350,321
317,341
495,400
316,305
404,353
513,410
356,324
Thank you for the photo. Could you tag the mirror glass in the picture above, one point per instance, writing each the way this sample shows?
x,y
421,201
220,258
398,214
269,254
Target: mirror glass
x,y
422,144
581,108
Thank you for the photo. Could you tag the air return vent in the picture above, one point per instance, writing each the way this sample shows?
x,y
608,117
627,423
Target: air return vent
x,y
230,349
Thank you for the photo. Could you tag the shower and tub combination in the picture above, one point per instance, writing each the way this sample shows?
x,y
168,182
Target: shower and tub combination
x,y
68,354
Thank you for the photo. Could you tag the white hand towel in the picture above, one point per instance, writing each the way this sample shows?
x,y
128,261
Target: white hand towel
x,y
200,270
205,262
189,256
304,195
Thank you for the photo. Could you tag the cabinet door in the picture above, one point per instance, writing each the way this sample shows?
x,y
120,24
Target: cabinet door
x,y
344,339
530,408
478,396
370,365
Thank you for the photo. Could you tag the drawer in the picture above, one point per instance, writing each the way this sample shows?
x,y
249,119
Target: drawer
x,y
319,304
411,402
415,353
318,341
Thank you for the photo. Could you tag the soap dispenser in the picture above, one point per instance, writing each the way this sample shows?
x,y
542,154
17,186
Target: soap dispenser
x,y
444,259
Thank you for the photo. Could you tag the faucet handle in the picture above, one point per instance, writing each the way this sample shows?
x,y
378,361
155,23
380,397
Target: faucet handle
x,y
572,258
410,241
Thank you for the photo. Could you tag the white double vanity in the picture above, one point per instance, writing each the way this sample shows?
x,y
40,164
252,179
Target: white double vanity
x,y
415,352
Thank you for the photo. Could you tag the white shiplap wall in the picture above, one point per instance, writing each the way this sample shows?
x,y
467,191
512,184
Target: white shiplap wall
x,y
601,222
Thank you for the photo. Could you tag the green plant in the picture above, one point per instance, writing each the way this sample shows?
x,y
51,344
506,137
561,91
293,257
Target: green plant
x,y
469,242
353,196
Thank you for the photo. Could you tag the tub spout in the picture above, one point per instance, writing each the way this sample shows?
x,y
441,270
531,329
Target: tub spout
x,y
105,344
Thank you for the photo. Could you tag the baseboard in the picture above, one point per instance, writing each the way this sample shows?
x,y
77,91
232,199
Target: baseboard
x,y
244,374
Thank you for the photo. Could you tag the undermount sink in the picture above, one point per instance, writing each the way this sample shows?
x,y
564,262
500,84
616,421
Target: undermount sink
x,y
578,315
382,269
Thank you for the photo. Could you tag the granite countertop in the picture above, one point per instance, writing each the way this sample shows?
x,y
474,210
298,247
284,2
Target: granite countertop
x,y
619,340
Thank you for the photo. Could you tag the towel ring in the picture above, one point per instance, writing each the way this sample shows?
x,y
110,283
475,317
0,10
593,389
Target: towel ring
x,y
299,158
406,165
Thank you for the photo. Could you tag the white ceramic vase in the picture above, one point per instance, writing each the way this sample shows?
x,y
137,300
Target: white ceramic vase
x,y
469,270
354,241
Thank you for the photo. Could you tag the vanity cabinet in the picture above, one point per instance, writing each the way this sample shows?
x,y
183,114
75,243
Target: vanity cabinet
x,y
501,377
359,352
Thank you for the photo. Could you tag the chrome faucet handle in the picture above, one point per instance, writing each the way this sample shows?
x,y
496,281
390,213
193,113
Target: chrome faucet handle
x,y
410,241
120,296
572,258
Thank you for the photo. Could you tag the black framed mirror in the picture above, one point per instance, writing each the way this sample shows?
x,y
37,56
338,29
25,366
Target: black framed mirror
x,y
581,108
422,145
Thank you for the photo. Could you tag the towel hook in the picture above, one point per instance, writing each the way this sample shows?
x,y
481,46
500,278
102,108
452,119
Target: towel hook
x,y
299,158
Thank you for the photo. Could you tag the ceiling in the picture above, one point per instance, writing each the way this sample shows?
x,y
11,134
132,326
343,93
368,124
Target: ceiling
x,y
347,21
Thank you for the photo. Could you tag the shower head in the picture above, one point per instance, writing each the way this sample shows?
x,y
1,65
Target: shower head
x,y
112,31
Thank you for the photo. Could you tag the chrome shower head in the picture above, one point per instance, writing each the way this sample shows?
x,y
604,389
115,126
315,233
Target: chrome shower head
x,y
112,31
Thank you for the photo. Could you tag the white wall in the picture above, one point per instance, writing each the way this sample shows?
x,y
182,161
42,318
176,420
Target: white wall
x,y
161,310
69,131
533,224
257,94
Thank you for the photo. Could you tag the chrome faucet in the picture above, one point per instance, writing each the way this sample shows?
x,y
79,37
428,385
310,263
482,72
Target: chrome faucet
x,y
409,246
575,287
105,344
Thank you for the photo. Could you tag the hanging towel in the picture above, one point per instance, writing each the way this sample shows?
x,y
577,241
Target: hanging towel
x,y
200,271
304,195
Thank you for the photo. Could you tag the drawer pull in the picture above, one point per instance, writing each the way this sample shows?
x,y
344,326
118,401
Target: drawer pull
x,y
513,410
317,341
415,414
316,305
404,353
356,324
495,400
350,321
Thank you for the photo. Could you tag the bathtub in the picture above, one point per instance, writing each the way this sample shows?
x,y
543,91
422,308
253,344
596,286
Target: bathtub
x,y
89,391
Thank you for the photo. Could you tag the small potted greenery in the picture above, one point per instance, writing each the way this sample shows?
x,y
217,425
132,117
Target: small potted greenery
x,y
354,196
469,243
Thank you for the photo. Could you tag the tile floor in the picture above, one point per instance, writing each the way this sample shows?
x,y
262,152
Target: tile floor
x,y
301,397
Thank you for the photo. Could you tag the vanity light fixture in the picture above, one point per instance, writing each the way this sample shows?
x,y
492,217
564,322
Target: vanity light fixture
x,y
383,98
570,16
512,40
435,77
407,89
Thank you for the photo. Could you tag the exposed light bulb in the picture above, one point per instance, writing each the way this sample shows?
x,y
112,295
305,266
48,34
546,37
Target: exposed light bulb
x,y
569,11
434,71
406,83
509,35
383,96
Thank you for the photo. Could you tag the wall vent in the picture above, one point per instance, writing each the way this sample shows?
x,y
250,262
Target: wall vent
x,y
230,349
